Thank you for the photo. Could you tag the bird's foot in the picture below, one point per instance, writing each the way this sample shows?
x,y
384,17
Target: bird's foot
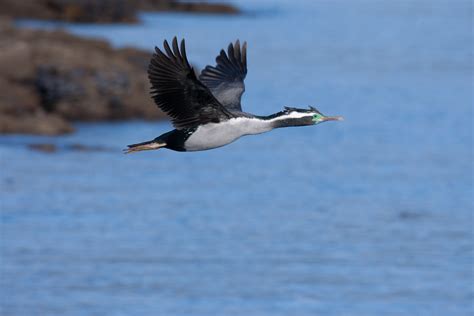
x,y
143,146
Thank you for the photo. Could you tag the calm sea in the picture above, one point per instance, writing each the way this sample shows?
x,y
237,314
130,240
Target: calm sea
x,y
370,216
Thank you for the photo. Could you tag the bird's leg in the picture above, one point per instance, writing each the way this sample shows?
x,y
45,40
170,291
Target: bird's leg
x,y
152,145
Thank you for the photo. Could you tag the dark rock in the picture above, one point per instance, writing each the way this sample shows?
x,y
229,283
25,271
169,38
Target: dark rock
x,y
48,79
35,123
46,148
86,148
191,7
52,148
103,11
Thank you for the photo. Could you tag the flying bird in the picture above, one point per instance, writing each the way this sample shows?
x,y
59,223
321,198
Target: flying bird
x,y
206,111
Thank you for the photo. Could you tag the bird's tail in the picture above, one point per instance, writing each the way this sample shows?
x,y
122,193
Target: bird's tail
x,y
150,145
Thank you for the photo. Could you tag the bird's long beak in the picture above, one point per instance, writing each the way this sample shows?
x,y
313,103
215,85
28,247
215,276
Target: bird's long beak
x,y
332,118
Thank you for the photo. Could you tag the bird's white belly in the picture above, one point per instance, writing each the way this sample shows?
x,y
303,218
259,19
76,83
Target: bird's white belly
x,y
214,135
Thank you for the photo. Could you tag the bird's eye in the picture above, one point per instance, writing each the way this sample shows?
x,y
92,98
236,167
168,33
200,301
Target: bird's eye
x,y
316,117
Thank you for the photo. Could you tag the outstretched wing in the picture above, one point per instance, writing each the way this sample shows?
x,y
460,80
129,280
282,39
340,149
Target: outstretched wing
x,y
178,92
226,79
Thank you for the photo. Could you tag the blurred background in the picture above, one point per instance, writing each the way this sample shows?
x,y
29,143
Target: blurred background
x,y
370,216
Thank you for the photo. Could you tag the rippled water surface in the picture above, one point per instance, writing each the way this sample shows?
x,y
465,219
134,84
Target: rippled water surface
x,y
371,216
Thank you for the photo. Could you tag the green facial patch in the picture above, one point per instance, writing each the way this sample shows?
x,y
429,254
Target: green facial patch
x,y
317,118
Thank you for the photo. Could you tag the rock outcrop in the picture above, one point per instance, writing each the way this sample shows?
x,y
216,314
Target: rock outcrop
x,y
48,79
103,11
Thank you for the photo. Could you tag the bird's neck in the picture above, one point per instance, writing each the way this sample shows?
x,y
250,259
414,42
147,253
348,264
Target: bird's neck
x,y
285,119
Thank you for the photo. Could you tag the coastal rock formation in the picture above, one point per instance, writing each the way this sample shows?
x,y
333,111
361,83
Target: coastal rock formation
x,y
103,11
48,79
71,10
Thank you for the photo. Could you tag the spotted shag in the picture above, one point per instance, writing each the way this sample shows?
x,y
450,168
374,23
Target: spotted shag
x,y
206,111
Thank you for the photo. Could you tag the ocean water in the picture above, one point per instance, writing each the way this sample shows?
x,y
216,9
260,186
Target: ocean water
x,y
370,216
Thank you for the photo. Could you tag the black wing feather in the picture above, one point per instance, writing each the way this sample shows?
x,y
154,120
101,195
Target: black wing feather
x,y
226,79
178,92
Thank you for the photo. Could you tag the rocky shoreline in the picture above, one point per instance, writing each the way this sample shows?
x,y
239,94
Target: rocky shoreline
x,y
103,11
49,79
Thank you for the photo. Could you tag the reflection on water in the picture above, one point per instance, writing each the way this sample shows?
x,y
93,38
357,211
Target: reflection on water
x,y
370,216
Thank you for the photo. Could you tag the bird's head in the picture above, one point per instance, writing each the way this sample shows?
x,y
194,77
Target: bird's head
x,y
310,116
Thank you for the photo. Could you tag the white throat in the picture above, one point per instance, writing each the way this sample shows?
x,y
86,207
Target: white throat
x,y
214,135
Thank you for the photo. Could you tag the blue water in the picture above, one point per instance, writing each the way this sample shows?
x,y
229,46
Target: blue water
x,y
370,216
